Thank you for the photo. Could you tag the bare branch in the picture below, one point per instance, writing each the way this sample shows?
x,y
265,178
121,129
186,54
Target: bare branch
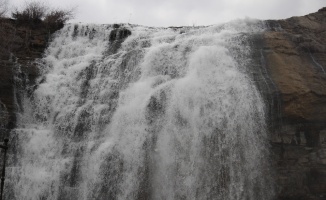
x,y
32,11
3,7
59,16
36,12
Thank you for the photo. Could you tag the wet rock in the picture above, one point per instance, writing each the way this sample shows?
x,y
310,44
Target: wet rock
x,y
119,34
20,46
295,56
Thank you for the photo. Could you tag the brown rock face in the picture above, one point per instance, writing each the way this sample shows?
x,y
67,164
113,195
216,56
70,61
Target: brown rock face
x,y
296,56
295,53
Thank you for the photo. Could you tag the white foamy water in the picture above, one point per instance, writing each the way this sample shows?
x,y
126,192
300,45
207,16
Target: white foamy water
x,y
164,114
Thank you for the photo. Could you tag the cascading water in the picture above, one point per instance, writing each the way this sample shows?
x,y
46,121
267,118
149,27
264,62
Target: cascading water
x,y
167,113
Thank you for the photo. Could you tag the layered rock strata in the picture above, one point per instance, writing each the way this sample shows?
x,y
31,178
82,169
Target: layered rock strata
x,y
295,54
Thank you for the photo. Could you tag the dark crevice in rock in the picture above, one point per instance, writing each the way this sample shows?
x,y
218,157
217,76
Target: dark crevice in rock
x,y
116,37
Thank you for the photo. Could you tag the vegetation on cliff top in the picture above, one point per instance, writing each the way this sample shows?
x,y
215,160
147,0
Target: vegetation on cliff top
x,y
36,12
29,27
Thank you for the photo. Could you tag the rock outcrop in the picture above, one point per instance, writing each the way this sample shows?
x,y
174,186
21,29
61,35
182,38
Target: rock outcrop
x,y
295,54
20,46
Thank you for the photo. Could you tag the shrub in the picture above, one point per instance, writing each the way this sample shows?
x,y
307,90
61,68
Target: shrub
x,y
56,18
35,12
32,12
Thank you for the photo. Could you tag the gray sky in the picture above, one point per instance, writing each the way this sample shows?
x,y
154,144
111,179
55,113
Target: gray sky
x,y
182,12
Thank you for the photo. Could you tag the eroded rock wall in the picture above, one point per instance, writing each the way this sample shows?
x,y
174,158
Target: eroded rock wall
x,y
20,46
295,54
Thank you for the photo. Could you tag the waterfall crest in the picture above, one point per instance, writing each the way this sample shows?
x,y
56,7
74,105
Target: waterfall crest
x,y
166,113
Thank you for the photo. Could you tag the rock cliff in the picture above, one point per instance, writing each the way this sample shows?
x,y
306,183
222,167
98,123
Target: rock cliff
x,y
20,46
295,54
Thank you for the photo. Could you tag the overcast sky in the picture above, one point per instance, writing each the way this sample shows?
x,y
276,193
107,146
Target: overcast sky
x,y
181,12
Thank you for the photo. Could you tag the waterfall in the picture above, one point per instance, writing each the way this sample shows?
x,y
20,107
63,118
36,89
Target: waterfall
x,y
166,113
